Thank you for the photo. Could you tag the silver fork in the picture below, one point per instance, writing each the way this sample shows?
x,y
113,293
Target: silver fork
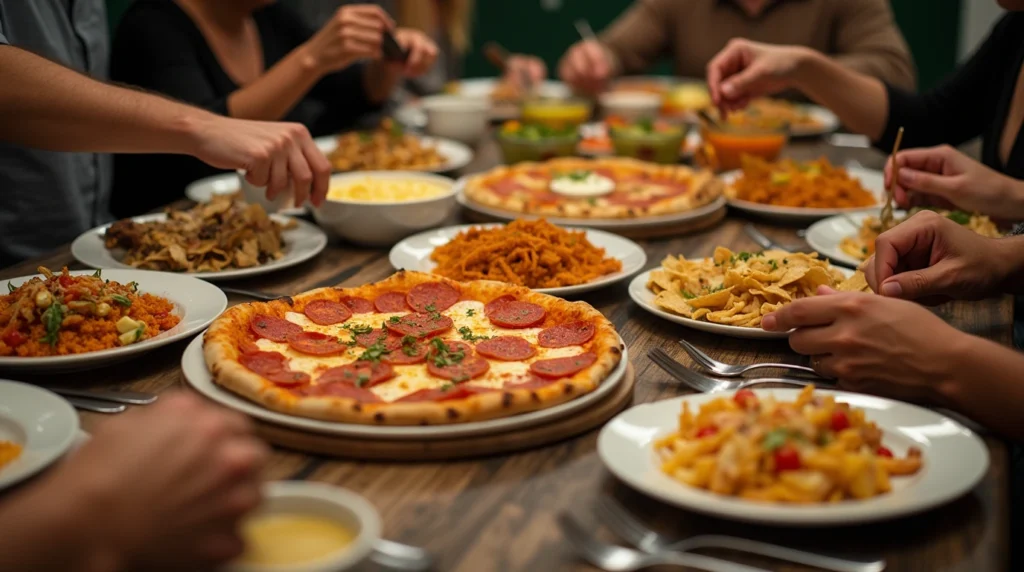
x,y
763,241
705,384
614,558
728,370
625,525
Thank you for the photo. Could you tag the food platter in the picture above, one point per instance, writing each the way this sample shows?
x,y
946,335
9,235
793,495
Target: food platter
x,y
411,113
457,154
598,130
197,303
301,243
826,235
955,460
872,180
198,377
826,120
41,422
413,253
203,190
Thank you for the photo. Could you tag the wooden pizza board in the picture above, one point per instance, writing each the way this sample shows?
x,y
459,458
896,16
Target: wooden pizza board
x,y
641,230
459,447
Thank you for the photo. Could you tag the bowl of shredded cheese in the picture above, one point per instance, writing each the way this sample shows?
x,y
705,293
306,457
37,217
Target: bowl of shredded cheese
x,y
380,208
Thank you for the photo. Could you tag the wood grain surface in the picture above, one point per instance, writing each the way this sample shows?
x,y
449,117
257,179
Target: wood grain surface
x,y
498,513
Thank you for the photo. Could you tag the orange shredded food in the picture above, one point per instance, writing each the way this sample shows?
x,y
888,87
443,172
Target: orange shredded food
x,y
8,452
535,254
812,184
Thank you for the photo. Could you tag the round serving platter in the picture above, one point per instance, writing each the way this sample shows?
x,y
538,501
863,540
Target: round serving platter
x,y
872,179
41,422
457,155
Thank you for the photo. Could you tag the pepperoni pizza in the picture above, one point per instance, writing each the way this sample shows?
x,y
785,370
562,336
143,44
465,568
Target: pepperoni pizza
x,y
414,349
637,189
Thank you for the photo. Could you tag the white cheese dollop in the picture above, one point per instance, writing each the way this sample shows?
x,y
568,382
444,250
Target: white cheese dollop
x,y
582,184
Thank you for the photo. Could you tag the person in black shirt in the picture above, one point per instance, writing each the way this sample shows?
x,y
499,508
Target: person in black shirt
x,y
251,59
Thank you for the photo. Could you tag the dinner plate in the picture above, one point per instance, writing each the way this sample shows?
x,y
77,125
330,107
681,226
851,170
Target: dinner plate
x,y
644,298
197,302
301,242
193,365
873,180
611,224
826,235
203,191
43,423
598,129
955,459
827,122
457,155
413,253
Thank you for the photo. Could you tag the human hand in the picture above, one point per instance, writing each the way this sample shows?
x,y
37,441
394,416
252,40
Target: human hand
x,y
520,66
955,179
422,51
278,156
587,66
932,259
744,70
872,344
354,32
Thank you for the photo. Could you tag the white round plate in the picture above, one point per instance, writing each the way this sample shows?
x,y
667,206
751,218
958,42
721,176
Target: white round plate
x,y
828,121
599,129
457,155
193,365
413,253
203,190
955,459
302,242
44,424
197,302
872,179
611,224
644,298
826,235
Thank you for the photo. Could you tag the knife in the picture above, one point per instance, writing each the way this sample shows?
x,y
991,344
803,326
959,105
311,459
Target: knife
x,y
762,240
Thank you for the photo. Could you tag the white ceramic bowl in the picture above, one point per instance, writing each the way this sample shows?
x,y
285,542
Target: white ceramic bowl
x,y
258,195
384,224
348,508
457,117
630,105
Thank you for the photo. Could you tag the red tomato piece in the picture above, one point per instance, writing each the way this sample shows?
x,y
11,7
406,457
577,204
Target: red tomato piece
x,y
14,338
317,344
66,281
745,398
363,374
840,421
787,458
883,452
706,431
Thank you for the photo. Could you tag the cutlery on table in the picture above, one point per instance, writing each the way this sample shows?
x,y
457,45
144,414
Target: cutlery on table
x,y
626,526
614,558
763,241
498,57
728,370
254,294
128,397
95,405
398,556
704,384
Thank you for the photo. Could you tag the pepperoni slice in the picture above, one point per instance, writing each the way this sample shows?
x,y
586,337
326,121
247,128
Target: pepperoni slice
x,y
263,362
389,302
571,334
380,335
563,366
468,368
460,392
327,312
506,348
273,329
432,297
288,378
495,303
358,305
516,314
248,347
340,390
363,374
532,382
317,344
420,325
406,354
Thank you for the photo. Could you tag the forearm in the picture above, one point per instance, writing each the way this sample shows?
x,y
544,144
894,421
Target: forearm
x,y
276,92
860,101
48,106
889,68
379,80
987,385
1007,260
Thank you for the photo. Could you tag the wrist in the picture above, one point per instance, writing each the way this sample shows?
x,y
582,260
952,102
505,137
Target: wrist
x,y
807,64
961,355
1006,263
307,61
188,130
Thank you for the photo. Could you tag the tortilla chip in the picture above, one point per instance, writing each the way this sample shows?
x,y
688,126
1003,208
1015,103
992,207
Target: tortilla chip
x,y
856,283
714,300
673,302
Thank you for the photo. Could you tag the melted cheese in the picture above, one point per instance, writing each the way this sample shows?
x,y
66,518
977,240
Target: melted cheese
x,y
292,539
412,378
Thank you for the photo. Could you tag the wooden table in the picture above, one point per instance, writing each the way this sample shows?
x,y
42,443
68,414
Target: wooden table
x,y
498,513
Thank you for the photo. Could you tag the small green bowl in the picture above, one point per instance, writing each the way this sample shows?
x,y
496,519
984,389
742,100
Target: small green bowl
x,y
519,149
654,147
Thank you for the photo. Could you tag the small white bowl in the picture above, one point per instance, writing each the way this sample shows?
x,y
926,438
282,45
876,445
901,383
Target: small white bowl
x,y
456,117
380,223
630,105
348,508
258,196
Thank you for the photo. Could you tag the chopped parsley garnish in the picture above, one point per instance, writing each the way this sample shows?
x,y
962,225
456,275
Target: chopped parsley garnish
x,y
122,300
959,217
774,439
432,310
363,378
687,295
592,201
447,386
714,289
10,288
785,261
773,264
470,312
467,334
744,256
365,137
98,273
52,319
375,352
579,175
394,319
864,250
357,329
409,346
443,356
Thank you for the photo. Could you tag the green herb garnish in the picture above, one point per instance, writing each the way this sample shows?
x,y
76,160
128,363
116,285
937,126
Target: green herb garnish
x,y
122,300
959,217
394,319
52,319
470,312
357,329
744,256
442,356
409,346
687,295
98,273
467,334
362,379
774,439
374,352
447,386
10,288
773,264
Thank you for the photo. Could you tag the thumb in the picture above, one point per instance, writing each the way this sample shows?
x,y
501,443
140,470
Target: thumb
x,y
915,284
826,291
741,84
928,183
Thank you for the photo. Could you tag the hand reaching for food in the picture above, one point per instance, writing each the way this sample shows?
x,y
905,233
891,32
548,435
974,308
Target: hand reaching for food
x,y
520,67
587,66
354,32
745,70
421,49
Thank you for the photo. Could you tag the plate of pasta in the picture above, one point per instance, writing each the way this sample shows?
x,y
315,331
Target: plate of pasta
x,y
850,239
537,254
798,457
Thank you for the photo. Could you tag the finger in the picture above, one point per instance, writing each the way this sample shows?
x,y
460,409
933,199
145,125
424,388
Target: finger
x,y
596,61
538,70
278,182
868,267
742,83
257,172
929,183
906,246
302,175
918,284
802,313
810,341
321,168
827,366
720,67
372,12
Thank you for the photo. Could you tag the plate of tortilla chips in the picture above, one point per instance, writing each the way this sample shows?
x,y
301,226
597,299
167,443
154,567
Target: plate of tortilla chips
x,y
223,239
730,292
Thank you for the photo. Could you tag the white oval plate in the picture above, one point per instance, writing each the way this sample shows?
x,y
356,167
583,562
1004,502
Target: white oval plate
x,y
826,235
611,224
829,122
44,424
457,155
203,190
414,252
301,243
599,129
193,365
197,302
644,298
955,459
872,179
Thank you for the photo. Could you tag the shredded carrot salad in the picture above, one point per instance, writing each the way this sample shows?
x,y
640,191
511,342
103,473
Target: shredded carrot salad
x,y
812,184
8,452
535,254
61,314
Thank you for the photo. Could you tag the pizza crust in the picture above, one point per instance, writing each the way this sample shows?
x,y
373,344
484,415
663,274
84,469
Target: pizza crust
x,y
222,341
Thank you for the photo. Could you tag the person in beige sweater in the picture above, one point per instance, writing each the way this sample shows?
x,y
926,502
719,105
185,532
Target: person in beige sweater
x,y
860,34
